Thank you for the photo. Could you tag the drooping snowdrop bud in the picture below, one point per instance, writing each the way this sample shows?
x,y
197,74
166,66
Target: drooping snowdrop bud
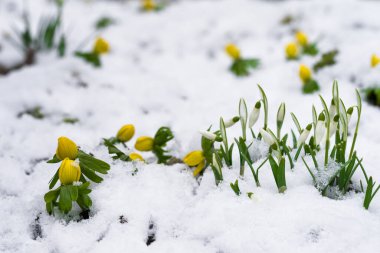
x,y
254,116
320,128
267,137
209,135
334,125
332,109
275,151
349,114
305,133
280,115
231,122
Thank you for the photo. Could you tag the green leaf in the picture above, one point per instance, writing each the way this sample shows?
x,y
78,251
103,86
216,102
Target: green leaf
x,y
65,203
104,22
91,163
162,136
54,179
310,86
115,152
55,159
310,49
51,196
73,190
90,174
327,59
90,57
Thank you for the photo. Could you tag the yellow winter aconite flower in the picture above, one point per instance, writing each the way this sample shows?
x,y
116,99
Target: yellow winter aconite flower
x,y
233,51
136,157
69,172
66,149
291,50
148,5
126,133
301,38
144,143
304,73
375,60
195,158
101,46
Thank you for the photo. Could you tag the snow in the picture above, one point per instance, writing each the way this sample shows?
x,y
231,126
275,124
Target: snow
x,y
170,69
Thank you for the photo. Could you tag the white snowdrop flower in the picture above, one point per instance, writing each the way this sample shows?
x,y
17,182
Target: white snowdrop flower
x,y
332,109
303,136
281,114
254,116
208,135
320,129
334,125
267,137
231,122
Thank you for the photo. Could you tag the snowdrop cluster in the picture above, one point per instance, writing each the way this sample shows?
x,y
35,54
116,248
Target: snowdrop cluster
x,y
340,160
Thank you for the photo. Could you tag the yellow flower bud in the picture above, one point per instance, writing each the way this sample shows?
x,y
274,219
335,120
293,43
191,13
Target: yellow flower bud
x,y
301,38
66,149
101,46
148,5
194,158
144,143
375,60
291,51
233,51
126,133
304,73
69,172
199,168
136,157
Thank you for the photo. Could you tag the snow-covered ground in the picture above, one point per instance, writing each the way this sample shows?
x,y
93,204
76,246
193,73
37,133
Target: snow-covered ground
x,y
170,69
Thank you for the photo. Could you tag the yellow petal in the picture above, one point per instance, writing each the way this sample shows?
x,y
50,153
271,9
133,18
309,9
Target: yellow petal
x,y
302,38
375,60
66,149
291,51
136,157
125,133
148,5
194,158
304,73
101,46
199,168
144,143
233,51
69,172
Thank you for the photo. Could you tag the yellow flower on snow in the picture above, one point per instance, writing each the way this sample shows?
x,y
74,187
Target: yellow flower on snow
x,y
101,46
302,38
126,133
195,158
375,60
233,51
304,73
144,143
69,172
291,50
66,148
136,157
148,5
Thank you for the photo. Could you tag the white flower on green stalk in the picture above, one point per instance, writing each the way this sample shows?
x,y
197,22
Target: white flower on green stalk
x,y
231,122
267,137
334,125
280,118
320,128
209,135
332,109
303,136
254,116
